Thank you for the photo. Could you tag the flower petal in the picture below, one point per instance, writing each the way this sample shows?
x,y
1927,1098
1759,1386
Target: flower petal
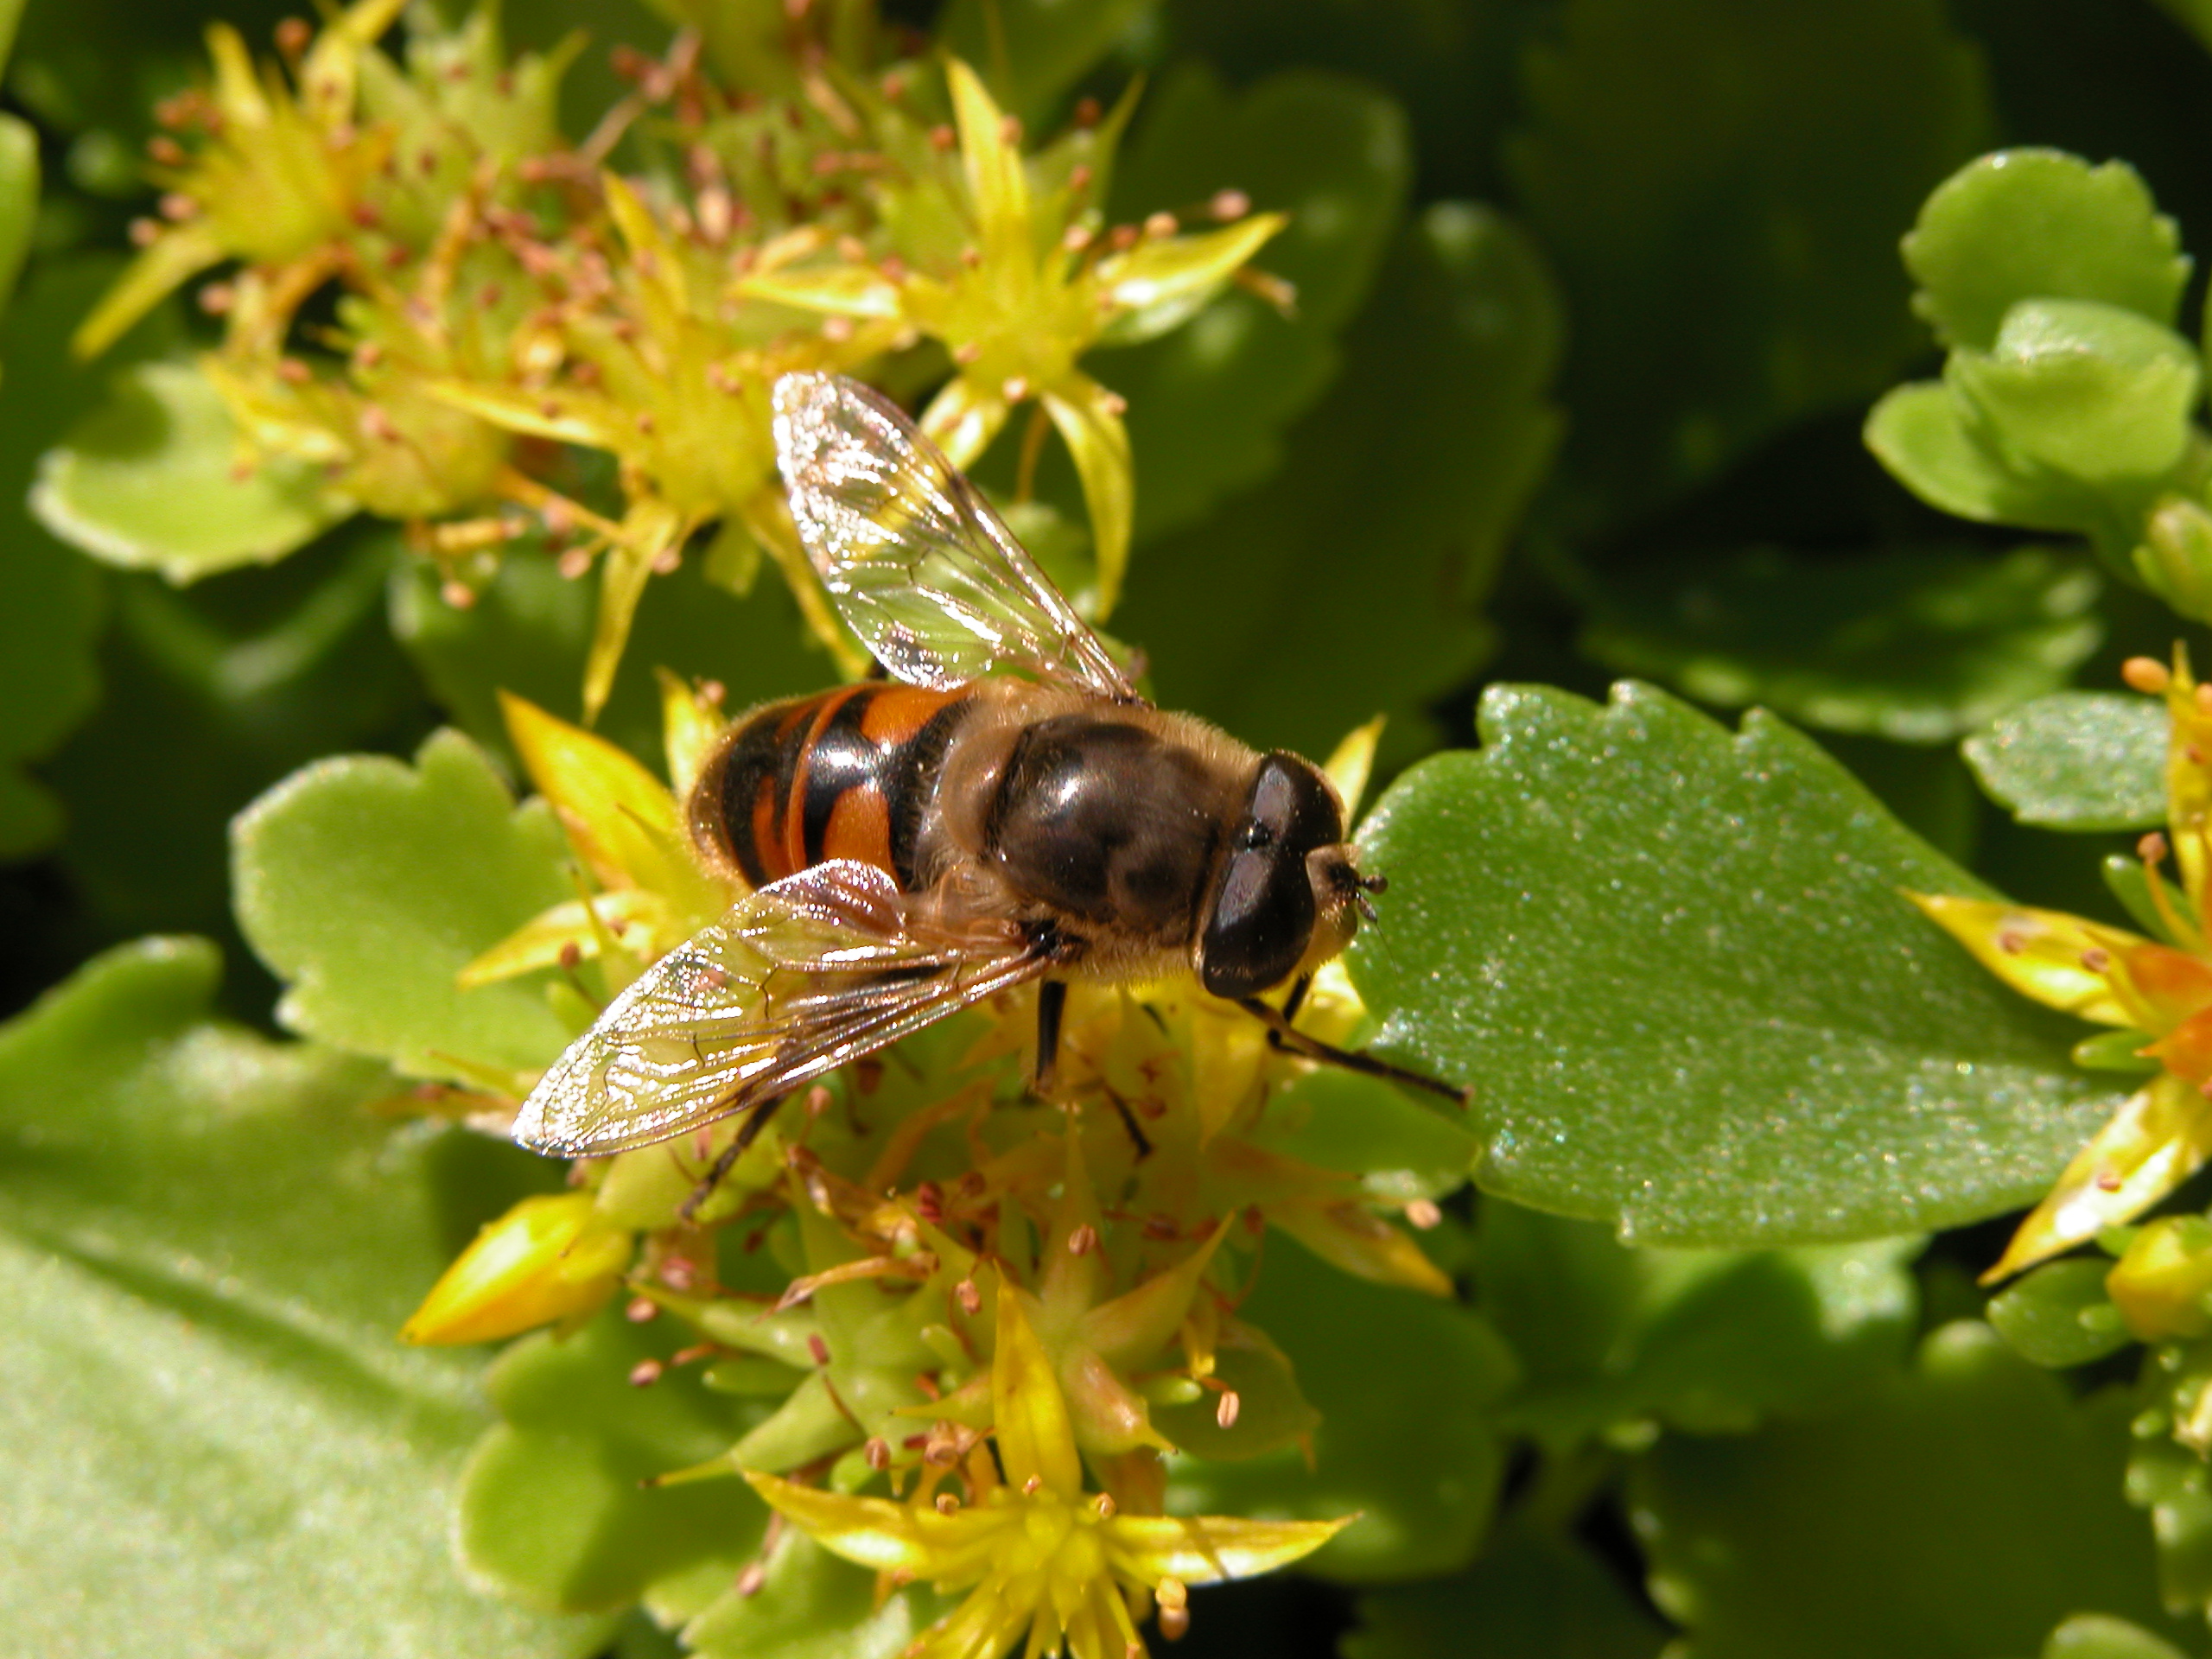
x,y
1089,420
2039,953
1136,1326
2158,1138
962,419
1208,1549
1350,763
997,183
1160,283
1033,1430
1348,1235
838,290
546,940
620,818
871,1531
548,1258
171,259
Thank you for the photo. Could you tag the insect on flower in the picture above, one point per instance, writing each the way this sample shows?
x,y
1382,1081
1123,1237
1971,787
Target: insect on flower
x,y
1006,809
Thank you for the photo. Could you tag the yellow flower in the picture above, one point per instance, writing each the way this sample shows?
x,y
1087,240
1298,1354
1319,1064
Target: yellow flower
x,y
548,1258
2157,991
625,829
278,178
1021,290
1042,1559
2161,1283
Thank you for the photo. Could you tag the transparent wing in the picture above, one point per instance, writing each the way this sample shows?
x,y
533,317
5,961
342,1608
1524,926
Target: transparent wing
x,y
921,568
799,977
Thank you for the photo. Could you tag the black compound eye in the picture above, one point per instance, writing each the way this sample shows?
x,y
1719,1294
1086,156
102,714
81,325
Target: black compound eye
x,y
1264,910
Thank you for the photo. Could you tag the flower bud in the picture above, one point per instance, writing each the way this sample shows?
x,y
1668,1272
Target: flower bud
x,y
548,1258
2175,560
2161,1285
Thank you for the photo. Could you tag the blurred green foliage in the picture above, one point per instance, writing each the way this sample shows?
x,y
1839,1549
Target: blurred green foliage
x,y
1687,340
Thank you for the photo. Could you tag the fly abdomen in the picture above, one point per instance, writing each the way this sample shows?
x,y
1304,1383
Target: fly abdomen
x,y
848,774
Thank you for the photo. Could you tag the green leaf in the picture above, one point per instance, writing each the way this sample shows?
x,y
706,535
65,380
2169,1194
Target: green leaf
x,y
811,1605
1528,1597
2094,1636
1676,962
49,597
1963,1511
1721,184
1029,52
1344,587
212,1430
529,629
366,886
1927,437
2089,760
2174,1484
18,193
1706,1340
2059,1316
551,1510
2087,390
2040,223
1917,644
149,481
1404,1386
1209,403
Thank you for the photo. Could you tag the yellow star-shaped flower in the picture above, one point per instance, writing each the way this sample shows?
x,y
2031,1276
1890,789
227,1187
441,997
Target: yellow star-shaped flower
x,y
1044,1560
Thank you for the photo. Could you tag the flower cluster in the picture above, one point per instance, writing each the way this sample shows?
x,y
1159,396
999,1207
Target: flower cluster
x,y
506,305
2154,989
1004,1314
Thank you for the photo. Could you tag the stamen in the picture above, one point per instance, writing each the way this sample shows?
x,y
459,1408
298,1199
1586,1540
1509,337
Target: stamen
x,y
2152,851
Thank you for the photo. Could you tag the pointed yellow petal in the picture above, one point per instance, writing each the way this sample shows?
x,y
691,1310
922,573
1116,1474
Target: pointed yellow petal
x,y
1034,1437
1159,284
871,1531
1133,1327
838,290
1348,766
548,1258
650,528
996,181
171,259
689,728
2042,954
656,261
1090,421
2158,1138
327,76
1348,1235
1207,1549
619,816
543,940
962,419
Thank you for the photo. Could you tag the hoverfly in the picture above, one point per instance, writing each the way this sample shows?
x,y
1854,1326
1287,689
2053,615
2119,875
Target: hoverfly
x,y
1004,808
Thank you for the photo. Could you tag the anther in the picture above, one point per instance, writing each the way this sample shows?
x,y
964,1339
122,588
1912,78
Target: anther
x,y
2146,674
645,1373
753,1580
641,1311
1083,1240
676,1273
969,1298
1423,1213
1033,1486
2097,959
818,1348
946,1504
878,1453
1104,1506
2152,847
1229,204
1224,1414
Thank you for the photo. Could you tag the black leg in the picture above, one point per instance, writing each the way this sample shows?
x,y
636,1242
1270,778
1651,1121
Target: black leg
x,y
1314,1049
1051,1002
747,1133
1291,1005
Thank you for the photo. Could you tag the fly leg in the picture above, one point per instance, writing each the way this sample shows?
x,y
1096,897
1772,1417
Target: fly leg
x,y
1287,1036
1051,1003
747,1133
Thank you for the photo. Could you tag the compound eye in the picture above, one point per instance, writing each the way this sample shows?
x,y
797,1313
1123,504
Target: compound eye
x,y
1262,920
